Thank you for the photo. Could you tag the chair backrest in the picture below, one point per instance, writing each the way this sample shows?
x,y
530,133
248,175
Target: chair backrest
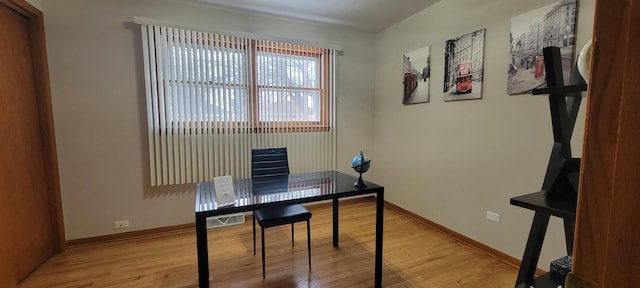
x,y
269,162
269,170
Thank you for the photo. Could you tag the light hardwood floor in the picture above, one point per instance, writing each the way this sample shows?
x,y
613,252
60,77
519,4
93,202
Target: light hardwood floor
x,y
414,256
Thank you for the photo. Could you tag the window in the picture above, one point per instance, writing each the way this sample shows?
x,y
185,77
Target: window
x,y
215,74
289,86
211,98
290,81
263,85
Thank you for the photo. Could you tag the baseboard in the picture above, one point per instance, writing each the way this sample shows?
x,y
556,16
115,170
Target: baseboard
x,y
189,226
129,235
461,238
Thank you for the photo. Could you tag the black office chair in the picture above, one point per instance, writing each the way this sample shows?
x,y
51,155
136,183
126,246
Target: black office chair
x,y
269,171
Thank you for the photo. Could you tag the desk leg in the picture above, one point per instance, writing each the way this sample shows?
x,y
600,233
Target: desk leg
x,y
335,223
203,251
534,246
379,230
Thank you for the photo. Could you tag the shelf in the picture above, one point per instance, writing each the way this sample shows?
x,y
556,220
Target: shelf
x,y
568,90
547,280
537,202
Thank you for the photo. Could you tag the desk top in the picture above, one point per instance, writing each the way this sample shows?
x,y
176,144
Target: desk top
x,y
537,202
294,189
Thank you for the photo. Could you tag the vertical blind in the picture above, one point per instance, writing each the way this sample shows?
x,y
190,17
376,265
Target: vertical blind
x,y
211,98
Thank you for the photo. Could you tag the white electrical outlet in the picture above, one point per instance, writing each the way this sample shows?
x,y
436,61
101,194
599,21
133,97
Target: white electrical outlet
x,y
493,216
121,224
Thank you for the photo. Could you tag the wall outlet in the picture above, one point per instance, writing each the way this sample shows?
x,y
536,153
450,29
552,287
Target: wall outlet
x,y
493,216
121,224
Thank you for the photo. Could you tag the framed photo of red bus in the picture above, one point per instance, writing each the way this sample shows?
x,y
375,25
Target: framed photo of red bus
x,y
464,67
416,70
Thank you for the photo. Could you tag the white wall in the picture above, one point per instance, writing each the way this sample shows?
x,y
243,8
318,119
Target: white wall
x,y
451,162
97,88
36,3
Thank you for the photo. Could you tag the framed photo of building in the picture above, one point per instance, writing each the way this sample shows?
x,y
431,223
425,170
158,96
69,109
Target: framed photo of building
x,y
551,25
416,70
464,66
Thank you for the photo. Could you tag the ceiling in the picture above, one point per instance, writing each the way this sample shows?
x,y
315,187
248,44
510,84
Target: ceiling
x,y
369,15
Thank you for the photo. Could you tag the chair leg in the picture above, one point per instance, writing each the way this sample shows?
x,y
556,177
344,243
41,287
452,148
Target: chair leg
x,y
254,234
292,235
309,242
262,239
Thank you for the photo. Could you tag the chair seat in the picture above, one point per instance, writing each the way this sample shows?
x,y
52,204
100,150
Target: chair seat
x,y
276,216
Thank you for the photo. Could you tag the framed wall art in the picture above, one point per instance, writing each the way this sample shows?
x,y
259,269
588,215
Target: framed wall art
x,y
551,25
416,69
464,67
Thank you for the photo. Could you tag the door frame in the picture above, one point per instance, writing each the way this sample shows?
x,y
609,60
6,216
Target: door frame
x,y
605,248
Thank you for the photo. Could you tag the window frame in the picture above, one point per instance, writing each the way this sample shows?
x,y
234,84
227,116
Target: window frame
x,y
323,88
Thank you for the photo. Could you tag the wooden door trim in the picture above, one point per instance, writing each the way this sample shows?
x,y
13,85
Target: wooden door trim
x,y
45,112
607,230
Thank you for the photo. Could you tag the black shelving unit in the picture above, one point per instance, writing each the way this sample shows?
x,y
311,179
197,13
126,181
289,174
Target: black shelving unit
x,y
559,189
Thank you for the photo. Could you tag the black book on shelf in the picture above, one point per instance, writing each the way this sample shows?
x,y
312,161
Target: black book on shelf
x,y
561,266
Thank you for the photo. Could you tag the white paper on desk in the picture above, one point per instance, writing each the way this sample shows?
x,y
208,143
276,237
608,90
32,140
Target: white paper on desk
x,y
225,195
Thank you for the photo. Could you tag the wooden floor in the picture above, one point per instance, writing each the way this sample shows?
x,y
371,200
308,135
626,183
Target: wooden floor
x,y
414,256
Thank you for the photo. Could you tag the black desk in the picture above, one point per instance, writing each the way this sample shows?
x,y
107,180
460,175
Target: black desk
x,y
302,188
544,208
